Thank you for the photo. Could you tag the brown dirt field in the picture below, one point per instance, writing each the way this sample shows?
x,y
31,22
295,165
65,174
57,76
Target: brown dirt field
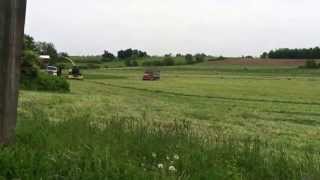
x,y
261,62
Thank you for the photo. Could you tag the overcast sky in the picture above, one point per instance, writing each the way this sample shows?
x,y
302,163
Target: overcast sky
x,y
217,27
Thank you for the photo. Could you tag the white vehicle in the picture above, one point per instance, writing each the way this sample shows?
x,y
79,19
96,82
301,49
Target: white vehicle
x,y
52,70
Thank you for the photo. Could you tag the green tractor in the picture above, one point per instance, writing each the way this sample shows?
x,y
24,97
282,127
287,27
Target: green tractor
x,y
74,72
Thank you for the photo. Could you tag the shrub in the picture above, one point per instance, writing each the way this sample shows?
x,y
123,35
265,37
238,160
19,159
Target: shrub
x,y
157,63
44,82
131,63
134,63
62,65
154,63
221,58
311,64
200,58
147,63
108,57
189,59
168,61
29,66
128,62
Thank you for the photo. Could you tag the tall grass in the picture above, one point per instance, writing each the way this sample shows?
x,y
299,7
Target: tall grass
x,y
81,147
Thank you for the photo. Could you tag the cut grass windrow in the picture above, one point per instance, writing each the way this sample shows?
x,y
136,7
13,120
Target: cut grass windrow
x,y
208,97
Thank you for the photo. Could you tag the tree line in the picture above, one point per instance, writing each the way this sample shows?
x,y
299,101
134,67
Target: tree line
x,y
168,60
286,53
130,56
124,55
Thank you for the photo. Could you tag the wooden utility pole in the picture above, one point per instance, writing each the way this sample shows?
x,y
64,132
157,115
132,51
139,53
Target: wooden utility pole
x,y
12,20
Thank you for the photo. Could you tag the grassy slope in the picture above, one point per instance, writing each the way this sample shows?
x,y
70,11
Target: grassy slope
x,y
58,133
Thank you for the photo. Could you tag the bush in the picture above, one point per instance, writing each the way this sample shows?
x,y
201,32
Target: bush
x,y
127,62
134,63
87,59
44,82
131,63
168,61
153,63
157,63
147,63
189,59
108,57
311,64
221,58
62,66
30,65
200,58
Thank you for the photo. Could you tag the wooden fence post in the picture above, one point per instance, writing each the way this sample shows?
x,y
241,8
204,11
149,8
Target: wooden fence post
x,y
12,20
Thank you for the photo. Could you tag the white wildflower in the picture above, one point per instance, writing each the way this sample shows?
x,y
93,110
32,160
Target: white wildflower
x,y
160,166
176,157
172,169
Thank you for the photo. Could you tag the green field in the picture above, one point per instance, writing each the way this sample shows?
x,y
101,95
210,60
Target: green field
x,y
225,122
277,107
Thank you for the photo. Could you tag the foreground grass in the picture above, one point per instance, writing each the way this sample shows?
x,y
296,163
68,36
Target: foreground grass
x,y
83,147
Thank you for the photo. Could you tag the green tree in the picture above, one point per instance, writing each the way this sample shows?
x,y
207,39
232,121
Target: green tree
x,y
221,58
107,56
189,59
45,48
30,64
29,43
63,54
128,62
285,53
134,63
200,58
131,53
264,55
168,60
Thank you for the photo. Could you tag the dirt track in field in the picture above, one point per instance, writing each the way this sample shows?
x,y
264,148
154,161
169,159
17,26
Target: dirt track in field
x,y
261,62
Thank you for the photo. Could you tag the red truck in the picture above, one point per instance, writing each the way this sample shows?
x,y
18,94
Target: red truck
x,y
151,75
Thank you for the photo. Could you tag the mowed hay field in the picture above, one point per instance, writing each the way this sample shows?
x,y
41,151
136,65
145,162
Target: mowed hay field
x,y
281,108
198,122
